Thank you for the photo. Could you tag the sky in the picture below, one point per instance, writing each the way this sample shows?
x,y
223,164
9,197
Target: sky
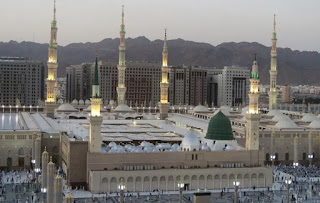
x,y
209,21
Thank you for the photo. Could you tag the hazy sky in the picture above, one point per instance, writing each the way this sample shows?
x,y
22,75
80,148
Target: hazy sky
x,y
211,21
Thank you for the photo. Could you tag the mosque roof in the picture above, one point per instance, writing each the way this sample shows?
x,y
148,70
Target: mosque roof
x,y
273,112
286,123
123,108
314,124
219,128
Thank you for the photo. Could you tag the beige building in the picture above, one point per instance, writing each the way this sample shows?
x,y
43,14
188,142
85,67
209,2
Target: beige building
x,y
286,94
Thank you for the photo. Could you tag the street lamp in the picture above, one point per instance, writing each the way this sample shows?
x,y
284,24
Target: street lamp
x,y
272,157
180,186
288,182
236,184
121,188
37,170
44,191
295,165
310,156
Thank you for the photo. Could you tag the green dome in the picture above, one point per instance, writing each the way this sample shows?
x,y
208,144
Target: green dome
x,y
219,128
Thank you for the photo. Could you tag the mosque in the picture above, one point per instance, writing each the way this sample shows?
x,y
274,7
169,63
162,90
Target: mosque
x,y
97,147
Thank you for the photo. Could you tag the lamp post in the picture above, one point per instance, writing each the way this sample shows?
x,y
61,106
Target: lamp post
x,y
37,170
295,165
44,192
10,108
236,184
121,188
272,157
17,107
288,182
310,156
180,186
2,108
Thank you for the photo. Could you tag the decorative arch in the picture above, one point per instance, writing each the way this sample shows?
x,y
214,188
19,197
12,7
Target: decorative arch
x,y
163,183
194,182
146,184
130,185
154,183
113,185
224,181
217,182
170,186
201,182
138,184
104,184
261,181
21,151
209,182
254,180
231,179
246,181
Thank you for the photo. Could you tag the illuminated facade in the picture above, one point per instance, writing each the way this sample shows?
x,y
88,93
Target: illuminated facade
x,y
52,67
164,85
273,70
95,118
121,89
253,116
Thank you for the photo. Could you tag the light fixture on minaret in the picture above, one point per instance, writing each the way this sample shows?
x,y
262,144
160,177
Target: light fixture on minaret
x,y
273,70
164,104
95,118
52,67
253,116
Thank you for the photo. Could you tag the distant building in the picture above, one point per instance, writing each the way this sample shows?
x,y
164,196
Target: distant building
x,y
79,82
187,85
228,86
21,78
142,82
286,94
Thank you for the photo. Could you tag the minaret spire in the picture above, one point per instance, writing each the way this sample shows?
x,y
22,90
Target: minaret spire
x,y
52,67
95,85
253,116
273,69
121,89
164,85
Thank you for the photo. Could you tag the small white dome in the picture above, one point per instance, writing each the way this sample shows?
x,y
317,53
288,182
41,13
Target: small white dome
x,y
123,108
200,108
60,101
286,123
309,117
274,112
244,110
190,142
205,147
280,117
66,108
314,124
87,102
75,102
81,102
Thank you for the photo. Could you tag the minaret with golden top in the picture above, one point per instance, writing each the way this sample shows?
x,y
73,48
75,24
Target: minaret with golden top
x,y
253,116
164,104
52,67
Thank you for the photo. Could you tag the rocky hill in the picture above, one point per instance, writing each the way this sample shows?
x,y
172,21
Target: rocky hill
x,y
294,67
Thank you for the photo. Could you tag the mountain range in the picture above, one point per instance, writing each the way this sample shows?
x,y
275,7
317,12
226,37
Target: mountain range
x,y
294,67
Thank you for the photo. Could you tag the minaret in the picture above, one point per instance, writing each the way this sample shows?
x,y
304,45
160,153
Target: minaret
x,y
68,198
52,67
50,182
273,70
121,89
45,160
253,116
164,104
58,189
95,118
38,152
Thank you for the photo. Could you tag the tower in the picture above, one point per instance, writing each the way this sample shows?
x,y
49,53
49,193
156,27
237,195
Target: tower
x,y
164,85
58,189
68,198
45,160
253,116
273,70
121,89
95,118
50,181
52,67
